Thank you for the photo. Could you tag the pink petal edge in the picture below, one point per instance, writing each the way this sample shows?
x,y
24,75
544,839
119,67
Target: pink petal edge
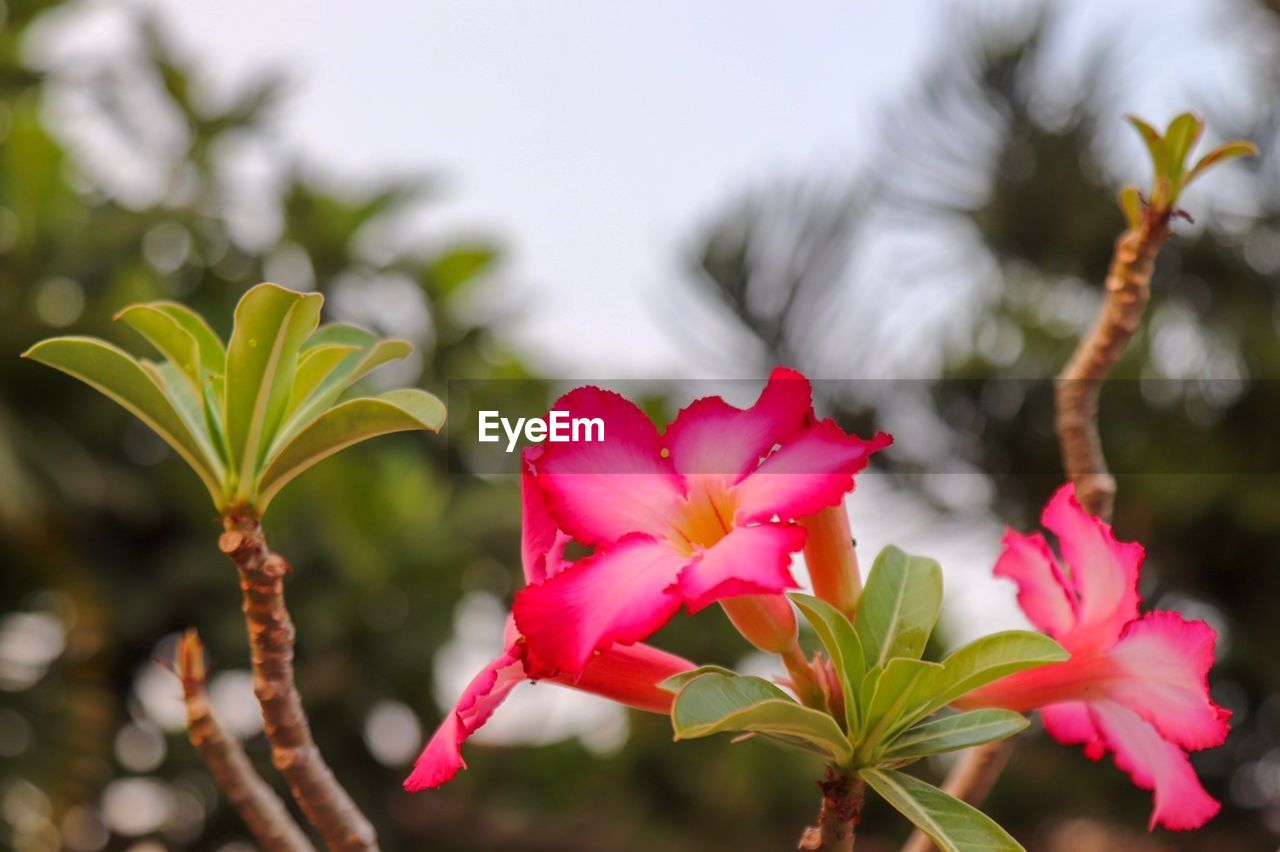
x,y
442,758
710,437
620,594
748,561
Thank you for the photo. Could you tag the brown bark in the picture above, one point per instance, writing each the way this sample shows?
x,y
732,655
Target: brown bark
x,y
836,831
1128,288
326,804
1076,392
259,806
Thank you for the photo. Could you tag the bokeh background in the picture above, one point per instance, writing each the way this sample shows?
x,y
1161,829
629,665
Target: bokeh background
x,y
917,193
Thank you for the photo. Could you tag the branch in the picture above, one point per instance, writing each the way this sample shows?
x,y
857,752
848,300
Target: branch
x,y
326,804
842,797
1078,386
1128,289
257,803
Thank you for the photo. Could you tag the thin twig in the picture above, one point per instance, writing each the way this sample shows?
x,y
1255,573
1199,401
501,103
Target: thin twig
x,y
326,804
842,797
259,806
1128,289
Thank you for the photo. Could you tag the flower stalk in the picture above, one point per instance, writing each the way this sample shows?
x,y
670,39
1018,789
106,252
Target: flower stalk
x,y
257,804
325,803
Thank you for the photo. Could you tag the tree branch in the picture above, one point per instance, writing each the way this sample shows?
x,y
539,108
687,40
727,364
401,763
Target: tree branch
x,y
259,806
1078,386
326,804
1076,392
842,797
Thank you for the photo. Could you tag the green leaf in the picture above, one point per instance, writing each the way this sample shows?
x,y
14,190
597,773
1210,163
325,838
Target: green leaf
x,y
1163,196
176,385
370,352
1183,134
899,689
1155,145
213,354
677,682
271,324
214,389
841,642
169,339
983,661
715,703
952,733
449,273
953,825
118,375
1131,204
314,367
899,606
1221,154
346,424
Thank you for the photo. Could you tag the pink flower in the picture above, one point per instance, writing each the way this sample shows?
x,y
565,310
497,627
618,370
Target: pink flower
x,y
1136,686
627,675
701,513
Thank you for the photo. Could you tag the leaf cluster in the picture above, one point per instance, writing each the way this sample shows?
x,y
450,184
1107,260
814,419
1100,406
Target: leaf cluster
x,y
1169,152
250,414
886,713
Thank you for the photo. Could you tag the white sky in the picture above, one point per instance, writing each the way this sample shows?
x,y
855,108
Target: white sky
x,y
590,137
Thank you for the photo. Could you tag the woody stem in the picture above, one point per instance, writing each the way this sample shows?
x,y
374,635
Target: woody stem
x,y
836,831
258,805
1076,393
326,804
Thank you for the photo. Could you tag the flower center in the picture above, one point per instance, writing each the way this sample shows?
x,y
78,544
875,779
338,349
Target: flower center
x,y
706,516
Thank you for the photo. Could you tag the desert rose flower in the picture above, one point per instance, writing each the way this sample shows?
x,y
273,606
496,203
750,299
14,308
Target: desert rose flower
x,y
628,675
707,511
1136,685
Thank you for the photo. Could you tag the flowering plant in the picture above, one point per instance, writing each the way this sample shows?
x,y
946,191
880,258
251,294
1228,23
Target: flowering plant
x,y
711,510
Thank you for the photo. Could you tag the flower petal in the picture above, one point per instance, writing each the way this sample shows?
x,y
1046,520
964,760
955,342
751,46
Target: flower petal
x,y
630,674
1104,571
748,561
1081,678
712,437
541,543
620,594
1155,764
1070,723
1167,660
813,470
442,758
1043,593
599,491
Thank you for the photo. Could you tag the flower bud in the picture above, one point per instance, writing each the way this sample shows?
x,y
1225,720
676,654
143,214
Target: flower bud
x,y
766,621
832,561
